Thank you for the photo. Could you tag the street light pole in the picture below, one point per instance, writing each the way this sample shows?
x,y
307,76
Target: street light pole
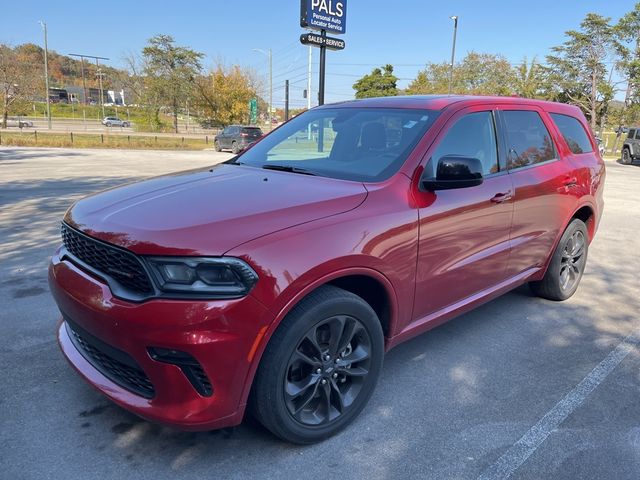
x,y
46,73
269,54
453,50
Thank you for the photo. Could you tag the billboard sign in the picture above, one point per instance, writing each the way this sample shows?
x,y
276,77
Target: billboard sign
x,y
329,15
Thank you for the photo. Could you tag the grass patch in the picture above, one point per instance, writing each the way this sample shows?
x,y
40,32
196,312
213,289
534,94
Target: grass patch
x,y
92,140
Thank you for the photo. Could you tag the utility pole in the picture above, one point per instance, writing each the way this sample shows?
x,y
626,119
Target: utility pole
x,y
269,54
286,100
84,83
453,50
46,73
99,74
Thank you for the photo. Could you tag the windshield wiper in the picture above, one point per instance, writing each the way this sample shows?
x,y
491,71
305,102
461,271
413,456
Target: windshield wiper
x,y
289,168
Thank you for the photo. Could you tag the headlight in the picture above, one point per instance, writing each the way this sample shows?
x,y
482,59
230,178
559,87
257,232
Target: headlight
x,y
222,277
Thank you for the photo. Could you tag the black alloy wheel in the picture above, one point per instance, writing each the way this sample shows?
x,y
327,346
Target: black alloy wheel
x,y
567,264
327,369
320,367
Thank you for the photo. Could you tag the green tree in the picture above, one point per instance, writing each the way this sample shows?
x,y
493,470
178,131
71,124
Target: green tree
x,y
577,70
379,83
476,74
19,82
627,36
170,72
529,79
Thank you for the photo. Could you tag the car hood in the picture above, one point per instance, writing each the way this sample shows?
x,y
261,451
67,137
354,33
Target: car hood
x,y
208,212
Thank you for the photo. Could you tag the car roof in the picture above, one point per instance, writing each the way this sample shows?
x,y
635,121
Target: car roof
x,y
440,102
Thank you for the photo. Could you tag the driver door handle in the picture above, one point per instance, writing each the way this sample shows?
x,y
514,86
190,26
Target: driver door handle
x,y
502,197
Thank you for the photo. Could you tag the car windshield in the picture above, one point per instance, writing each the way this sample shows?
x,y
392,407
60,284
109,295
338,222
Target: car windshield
x,y
361,144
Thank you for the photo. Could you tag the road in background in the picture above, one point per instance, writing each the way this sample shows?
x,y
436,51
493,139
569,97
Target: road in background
x,y
449,403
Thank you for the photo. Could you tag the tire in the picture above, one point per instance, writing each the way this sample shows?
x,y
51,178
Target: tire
x,y
567,264
626,157
216,146
337,380
108,124
234,148
125,124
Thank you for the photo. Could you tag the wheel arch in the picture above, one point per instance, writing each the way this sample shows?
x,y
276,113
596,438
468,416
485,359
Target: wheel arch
x,y
354,280
585,212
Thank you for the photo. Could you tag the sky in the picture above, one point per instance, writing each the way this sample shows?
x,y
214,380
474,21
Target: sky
x,y
404,33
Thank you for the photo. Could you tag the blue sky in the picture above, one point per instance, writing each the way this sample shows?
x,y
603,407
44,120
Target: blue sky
x,y
405,33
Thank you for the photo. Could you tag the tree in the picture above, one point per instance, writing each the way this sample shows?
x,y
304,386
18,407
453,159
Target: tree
x,y
224,95
529,80
577,68
476,74
379,83
19,82
627,43
170,72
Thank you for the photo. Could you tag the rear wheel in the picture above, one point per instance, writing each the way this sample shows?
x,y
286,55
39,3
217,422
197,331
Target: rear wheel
x,y
234,148
567,264
626,156
320,367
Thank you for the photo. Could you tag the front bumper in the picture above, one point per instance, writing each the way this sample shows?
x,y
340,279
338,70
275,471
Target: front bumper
x,y
219,334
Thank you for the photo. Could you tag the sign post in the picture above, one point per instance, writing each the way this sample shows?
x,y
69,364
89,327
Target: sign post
x,y
325,16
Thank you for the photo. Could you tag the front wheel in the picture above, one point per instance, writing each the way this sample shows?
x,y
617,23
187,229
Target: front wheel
x,y
216,146
567,264
320,367
626,156
108,124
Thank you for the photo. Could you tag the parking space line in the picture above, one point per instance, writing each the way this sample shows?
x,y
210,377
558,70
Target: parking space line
x,y
520,451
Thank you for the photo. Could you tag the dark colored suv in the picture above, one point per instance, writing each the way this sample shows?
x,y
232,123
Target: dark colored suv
x,y
278,280
236,138
631,146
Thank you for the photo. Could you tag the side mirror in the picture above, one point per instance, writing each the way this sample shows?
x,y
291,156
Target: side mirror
x,y
454,172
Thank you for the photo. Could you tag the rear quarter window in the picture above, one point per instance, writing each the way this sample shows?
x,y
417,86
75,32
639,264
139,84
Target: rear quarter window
x,y
528,140
573,132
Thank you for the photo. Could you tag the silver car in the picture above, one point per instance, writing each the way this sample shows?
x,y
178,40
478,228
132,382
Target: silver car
x,y
114,122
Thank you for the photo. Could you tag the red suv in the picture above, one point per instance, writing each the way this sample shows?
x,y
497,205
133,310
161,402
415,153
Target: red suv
x,y
277,280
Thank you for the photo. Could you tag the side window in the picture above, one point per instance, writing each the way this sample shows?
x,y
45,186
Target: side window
x,y
637,137
472,136
528,140
573,132
225,131
631,133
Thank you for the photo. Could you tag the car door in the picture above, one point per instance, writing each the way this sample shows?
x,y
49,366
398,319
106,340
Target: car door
x,y
542,184
223,138
464,233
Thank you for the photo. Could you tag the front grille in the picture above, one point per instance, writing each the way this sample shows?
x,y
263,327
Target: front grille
x,y
114,364
119,264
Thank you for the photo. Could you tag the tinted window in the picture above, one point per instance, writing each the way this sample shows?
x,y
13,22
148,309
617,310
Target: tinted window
x,y
637,134
528,140
252,132
573,132
361,144
632,132
471,136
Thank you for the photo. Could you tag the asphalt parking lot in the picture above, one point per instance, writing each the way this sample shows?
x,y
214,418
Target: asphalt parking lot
x,y
521,386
